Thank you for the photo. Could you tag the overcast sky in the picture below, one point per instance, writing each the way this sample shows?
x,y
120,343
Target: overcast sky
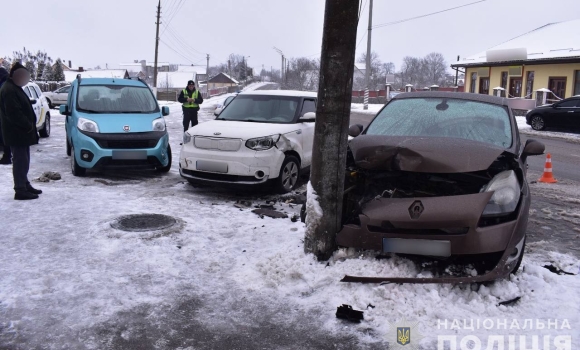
x,y
101,32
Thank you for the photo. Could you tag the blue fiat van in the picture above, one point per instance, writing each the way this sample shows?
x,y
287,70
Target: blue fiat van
x,y
115,122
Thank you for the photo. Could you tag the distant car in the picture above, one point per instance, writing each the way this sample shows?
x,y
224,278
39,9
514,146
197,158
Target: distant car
x,y
57,97
565,113
440,175
259,136
41,108
115,123
226,101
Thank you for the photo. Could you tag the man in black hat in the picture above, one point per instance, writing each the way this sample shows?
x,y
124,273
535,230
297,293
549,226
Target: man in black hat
x,y
19,129
7,154
190,98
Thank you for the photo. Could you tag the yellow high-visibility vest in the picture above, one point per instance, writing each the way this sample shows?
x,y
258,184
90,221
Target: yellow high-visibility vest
x,y
194,96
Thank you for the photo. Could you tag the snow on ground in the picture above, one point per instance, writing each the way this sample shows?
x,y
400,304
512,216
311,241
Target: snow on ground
x,y
65,271
527,130
359,108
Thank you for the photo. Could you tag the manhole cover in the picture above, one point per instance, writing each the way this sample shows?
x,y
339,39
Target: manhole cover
x,y
143,222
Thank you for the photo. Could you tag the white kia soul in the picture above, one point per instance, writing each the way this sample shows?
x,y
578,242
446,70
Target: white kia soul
x,y
259,136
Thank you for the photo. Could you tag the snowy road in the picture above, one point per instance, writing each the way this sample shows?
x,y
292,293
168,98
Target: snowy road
x,y
226,278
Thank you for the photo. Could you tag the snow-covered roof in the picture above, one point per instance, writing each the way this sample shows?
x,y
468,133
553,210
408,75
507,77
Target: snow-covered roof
x,y
70,76
290,93
176,79
552,41
227,76
195,69
159,64
361,66
132,67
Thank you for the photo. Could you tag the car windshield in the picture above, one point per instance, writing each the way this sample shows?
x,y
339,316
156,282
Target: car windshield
x,y
116,99
444,117
261,108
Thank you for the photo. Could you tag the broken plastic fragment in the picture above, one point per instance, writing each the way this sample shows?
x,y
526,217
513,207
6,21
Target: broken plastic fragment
x,y
346,312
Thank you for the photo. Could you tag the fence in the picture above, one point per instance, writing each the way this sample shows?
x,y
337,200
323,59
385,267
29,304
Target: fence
x,y
46,86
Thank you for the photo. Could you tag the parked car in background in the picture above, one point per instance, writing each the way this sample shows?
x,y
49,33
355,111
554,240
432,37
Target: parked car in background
x,y
226,102
115,123
58,96
259,136
440,176
40,107
565,114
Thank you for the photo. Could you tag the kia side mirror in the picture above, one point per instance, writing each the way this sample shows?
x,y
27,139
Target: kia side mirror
x,y
355,130
164,111
309,117
217,112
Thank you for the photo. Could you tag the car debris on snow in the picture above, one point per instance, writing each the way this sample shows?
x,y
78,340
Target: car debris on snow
x,y
346,312
270,213
49,175
243,204
557,271
509,302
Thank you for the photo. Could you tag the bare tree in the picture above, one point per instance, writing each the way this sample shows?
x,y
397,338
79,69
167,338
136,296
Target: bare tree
x,y
423,72
378,74
435,69
302,75
5,62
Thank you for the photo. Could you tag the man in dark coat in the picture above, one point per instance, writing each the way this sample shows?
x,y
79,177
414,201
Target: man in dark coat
x,y
190,99
19,129
7,154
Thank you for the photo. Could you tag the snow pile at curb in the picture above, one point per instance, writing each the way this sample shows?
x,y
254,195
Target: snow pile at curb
x,y
373,108
313,211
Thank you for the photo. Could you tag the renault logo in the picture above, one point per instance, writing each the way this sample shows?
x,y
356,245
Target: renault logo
x,y
217,133
126,128
416,209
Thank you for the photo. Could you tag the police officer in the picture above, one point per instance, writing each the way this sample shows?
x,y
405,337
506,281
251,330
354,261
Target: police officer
x,y
190,98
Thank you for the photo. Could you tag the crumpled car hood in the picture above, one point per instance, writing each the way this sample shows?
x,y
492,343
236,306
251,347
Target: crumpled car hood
x,y
422,154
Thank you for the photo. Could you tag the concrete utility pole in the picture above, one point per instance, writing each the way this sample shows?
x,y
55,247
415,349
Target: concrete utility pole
x,y
332,119
368,63
156,44
282,67
207,68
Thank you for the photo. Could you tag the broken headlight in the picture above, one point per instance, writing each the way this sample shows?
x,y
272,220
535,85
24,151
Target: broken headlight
x,y
262,143
506,194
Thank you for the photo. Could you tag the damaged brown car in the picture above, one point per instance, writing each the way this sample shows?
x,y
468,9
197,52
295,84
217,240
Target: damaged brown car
x,y
440,176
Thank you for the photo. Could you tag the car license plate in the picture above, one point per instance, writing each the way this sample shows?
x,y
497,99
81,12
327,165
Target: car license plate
x,y
130,155
215,167
417,246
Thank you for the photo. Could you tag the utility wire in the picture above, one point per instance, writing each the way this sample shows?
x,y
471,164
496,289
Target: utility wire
x,y
171,15
410,19
180,54
177,41
182,40
426,15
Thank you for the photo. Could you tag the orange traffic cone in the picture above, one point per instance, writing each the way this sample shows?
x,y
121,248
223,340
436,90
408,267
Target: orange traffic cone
x,y
548,177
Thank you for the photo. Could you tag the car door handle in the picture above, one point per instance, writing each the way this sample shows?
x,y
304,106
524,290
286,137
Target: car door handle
x,y
571,111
